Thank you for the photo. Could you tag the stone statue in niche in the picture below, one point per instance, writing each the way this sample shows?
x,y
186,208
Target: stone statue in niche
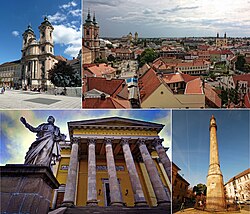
x,y
45,150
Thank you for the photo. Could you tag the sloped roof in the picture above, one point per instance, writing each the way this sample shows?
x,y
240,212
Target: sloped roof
x,y
243,77
109,102
148,83
194,87
247,171
111,87
212,96
101,69
116,121
247,100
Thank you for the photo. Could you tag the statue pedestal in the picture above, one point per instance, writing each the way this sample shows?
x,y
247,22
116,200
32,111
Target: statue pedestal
x,y
26,188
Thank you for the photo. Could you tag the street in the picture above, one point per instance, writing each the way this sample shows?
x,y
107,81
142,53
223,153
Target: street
x,y
18,99
194,211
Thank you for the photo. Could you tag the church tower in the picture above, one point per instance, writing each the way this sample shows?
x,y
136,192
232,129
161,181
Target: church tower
x,y
46,50
46,37
215,186
91,36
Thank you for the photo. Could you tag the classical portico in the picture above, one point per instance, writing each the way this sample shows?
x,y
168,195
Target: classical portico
x,y
114,159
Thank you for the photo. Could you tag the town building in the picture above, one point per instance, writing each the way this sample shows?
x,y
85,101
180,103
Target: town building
x,y
179,188
155,91
238,187
10,74
192,67
113,162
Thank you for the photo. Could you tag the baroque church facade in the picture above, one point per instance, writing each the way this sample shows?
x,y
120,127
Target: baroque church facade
x,y
37,56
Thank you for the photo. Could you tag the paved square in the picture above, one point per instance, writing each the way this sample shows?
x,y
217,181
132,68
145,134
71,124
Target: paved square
x,y
43,101
16,99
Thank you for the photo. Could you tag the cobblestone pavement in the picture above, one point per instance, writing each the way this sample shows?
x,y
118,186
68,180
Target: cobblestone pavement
x,y
194,211
17,99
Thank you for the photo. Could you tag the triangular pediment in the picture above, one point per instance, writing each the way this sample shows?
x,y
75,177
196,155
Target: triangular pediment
x,y
116,122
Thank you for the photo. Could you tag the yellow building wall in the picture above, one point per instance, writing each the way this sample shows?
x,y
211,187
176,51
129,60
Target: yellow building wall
x,y
114,132
162,97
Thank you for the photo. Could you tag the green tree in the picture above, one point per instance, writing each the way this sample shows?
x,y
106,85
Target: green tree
x,y
63,75
239,64
111,58
200,189
98,60
148,55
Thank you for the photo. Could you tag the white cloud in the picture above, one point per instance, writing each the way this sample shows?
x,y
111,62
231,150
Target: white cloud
x,y
15,33
167,17
77,12
66,6
70,37
57,18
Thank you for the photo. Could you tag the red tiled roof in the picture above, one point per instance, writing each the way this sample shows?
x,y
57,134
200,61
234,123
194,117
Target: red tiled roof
x,y
101,69
243,77
148,83
247,100
111,87
212,96
109,102
194,87
178,77
122,51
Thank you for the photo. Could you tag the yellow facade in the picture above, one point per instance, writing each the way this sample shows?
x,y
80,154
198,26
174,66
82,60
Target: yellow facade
x,y
102,175
162,97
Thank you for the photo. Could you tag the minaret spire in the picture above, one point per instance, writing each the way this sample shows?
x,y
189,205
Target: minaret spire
x,y
215,186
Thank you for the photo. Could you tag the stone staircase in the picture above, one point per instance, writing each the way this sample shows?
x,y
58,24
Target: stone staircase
x,y
119,210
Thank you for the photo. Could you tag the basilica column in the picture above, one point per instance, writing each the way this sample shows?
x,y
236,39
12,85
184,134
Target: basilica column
x,y
92,194
115,193
163,156
134,178
160,193
70,189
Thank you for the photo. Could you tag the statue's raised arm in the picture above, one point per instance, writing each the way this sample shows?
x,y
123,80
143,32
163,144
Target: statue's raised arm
x,y
46,145
28,126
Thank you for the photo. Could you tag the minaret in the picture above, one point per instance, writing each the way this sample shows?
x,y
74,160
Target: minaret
x,y
215,186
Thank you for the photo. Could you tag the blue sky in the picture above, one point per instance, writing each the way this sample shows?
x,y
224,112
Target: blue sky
x,y
190,142
15,139
171,18
16,15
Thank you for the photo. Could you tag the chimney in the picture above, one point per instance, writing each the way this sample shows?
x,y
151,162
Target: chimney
x,y
103,96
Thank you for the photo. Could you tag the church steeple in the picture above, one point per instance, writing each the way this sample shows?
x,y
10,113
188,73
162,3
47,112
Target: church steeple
x,y
88,21
94,20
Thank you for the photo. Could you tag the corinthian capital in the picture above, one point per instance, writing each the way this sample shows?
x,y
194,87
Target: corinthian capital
x,y
124,141
141,141
91,141
75,140
108,141
157,142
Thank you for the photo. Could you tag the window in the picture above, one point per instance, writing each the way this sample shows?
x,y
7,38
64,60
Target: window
x,y
87,32
43,34
43,49
51,49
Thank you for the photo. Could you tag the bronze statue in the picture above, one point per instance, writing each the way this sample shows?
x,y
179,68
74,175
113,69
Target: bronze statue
x,y
45,150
